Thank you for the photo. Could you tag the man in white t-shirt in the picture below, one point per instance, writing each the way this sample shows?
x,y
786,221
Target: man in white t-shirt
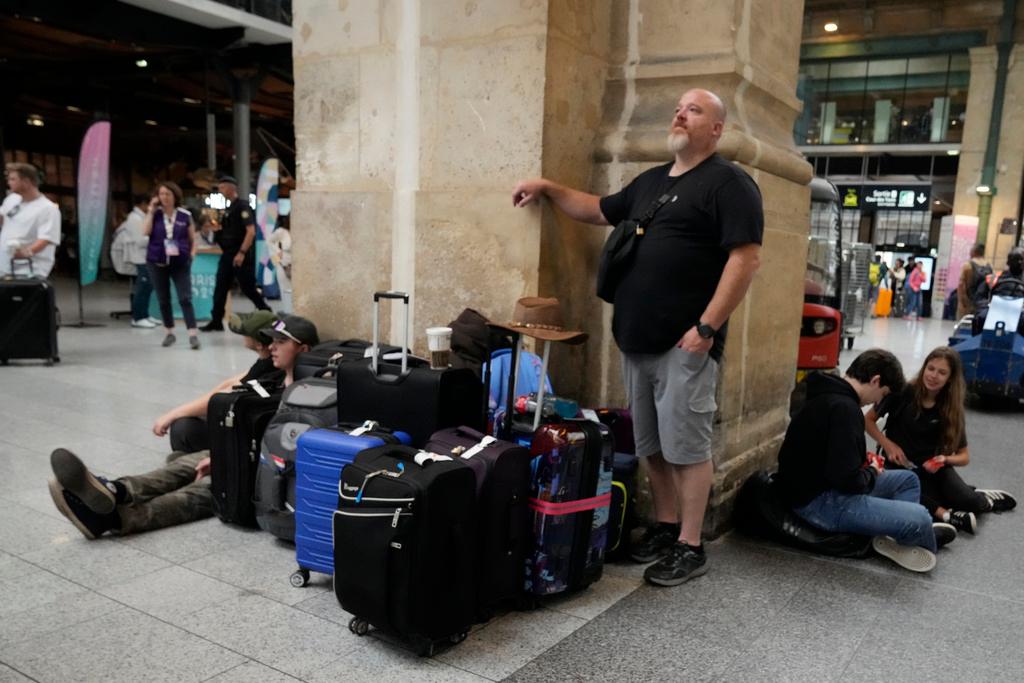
x,y
29,224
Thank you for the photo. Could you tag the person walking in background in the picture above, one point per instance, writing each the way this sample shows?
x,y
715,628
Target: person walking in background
x,y
915,280
172,245
237,239
972,274
926,432
135,245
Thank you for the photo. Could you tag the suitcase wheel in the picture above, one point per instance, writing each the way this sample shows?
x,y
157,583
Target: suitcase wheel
x,y
300,578
358,626
458,638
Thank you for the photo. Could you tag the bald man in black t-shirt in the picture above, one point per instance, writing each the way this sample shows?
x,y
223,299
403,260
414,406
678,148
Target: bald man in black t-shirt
x,y
690,270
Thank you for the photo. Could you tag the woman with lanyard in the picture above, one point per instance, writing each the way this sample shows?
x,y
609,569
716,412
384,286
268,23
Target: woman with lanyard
x,y
172,245
926,433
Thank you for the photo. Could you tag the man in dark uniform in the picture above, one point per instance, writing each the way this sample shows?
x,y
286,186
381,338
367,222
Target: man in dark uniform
x,y
237,238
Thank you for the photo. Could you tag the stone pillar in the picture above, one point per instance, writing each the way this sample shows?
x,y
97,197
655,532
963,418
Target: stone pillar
x,y
414,120
1006,202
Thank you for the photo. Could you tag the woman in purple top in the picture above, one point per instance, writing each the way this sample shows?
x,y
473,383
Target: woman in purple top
x,y
172,245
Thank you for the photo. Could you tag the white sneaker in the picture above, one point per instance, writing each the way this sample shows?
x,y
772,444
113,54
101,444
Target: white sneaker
x,y
912,557
145,323
156,321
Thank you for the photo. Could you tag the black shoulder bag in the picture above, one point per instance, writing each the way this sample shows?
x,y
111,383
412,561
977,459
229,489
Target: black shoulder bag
x,y
621,245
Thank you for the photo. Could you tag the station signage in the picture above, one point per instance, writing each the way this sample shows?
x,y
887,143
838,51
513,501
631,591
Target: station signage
x,y
869,198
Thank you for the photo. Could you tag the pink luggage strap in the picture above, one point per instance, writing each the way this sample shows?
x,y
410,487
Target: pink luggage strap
x,y
570,507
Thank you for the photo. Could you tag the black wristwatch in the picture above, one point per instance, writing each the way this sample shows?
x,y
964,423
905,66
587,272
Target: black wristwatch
x,y
705,331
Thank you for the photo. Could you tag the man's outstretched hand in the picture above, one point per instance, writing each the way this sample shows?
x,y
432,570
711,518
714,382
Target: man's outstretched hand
x,y
527,192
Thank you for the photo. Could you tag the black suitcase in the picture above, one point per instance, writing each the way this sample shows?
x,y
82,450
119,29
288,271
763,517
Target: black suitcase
x,y
237,421
306,404
503,480
405,545
335,352
28,320
415,399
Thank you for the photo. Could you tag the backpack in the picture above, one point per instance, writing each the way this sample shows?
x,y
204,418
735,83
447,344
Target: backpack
x,y
307,404
874,273
978,283
119,247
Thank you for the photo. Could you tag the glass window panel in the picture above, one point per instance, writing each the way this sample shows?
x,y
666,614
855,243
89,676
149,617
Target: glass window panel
x,y
931,64
848,70
960,62
887,67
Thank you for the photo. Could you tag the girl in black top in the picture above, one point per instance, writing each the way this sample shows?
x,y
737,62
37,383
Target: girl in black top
x,y
926,433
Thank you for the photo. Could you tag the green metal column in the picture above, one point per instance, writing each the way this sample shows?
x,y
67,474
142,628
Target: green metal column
x,y
988,171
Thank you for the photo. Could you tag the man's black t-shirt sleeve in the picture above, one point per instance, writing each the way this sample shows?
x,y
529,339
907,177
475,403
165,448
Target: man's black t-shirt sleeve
x,y
737,207
260,370
616,207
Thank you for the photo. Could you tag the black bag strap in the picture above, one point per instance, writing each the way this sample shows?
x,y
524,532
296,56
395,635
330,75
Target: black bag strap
x,y
661,201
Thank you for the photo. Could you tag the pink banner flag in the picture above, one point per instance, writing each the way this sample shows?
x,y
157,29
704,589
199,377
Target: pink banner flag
x,y
93,183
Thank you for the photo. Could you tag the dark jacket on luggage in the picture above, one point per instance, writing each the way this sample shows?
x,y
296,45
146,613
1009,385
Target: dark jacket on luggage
x,y
825,445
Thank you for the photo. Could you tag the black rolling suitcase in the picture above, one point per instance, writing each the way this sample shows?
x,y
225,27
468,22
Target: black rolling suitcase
x,y
28,319
237,420
503,480
405,545
334,352
415,399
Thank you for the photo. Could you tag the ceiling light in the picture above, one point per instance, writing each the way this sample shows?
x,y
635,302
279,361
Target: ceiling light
x,y
150,122
831,27
73,108
141,63
189,100
35,120
983,190
905,122
182,127
953,152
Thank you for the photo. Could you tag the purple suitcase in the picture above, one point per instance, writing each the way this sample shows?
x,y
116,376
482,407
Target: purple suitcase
x,y
502,472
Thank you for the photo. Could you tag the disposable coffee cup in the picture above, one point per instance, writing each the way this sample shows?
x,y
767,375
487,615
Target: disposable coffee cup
x,y
439,341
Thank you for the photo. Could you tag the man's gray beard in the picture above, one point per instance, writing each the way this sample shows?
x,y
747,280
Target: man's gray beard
x,y
677,142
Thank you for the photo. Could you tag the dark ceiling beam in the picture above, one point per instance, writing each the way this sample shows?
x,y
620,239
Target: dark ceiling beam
x,y
122,23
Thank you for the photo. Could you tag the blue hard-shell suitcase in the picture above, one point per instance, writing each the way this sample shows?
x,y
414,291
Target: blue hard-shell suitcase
x,y
570,496
318,461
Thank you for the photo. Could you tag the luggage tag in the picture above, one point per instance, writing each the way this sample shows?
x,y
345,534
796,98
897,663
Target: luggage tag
x,y
171,248
367,426
484,443
591,415
258,388
423,457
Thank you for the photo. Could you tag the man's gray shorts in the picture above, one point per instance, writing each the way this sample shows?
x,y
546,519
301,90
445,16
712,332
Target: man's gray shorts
x,y
672,397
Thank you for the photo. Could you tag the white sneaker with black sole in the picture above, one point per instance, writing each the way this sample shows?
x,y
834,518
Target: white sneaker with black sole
x,y
912,557
144,323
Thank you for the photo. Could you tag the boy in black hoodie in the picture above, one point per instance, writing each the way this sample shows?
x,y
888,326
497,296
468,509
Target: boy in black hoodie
x,y
827,478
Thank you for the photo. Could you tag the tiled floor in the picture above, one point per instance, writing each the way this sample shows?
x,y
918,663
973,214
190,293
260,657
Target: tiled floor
x,y
211,602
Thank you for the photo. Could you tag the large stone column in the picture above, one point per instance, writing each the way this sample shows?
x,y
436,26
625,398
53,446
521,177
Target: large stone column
x,y
414,120
1005,203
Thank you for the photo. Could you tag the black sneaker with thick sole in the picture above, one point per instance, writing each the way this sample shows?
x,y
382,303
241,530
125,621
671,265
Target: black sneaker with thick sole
x,y
944,533
91,524
1001,500
654,543
212,326
964,521
681,564
73,475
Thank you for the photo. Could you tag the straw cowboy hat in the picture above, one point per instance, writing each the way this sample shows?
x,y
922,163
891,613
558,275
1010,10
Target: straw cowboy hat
x,y
541,318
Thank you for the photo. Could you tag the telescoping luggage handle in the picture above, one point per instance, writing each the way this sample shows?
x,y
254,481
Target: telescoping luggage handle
x,y
514,378
377,296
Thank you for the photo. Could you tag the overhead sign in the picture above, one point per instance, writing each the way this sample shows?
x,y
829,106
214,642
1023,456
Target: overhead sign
x,y
869,198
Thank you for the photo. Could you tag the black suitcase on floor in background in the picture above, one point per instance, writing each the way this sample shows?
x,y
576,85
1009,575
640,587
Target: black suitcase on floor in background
x,y
405,545
415,400
28,320
237,420
502,472
335,352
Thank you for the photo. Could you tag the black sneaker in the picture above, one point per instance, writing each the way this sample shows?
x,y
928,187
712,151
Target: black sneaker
x,y
654,543
964,521
681,564
1001,500
91,524
98,494
944,533
213,326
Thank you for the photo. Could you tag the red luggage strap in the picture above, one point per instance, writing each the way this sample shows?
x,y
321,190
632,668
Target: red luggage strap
x,y
570,507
